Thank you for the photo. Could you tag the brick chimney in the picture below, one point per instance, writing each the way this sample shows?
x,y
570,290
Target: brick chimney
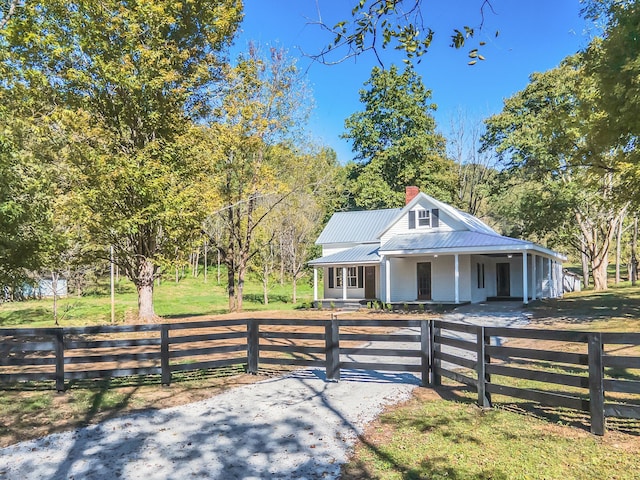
x,y
411,193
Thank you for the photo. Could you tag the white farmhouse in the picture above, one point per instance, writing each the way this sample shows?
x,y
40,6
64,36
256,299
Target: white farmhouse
x,y
429,252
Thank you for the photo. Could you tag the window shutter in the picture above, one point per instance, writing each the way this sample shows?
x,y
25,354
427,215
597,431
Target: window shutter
x,y
360,277
331,279
412,219
435,217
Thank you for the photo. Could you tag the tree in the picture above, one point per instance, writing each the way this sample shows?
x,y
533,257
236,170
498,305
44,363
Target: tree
x,y
264,106
614,61
549,133
395,142
132,77
376,25
476,169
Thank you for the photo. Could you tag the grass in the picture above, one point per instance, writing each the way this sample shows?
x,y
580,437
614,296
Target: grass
x,y
189,297
444,435
616,309
431,437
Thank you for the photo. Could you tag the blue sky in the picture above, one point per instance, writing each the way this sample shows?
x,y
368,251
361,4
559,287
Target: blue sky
x,y
535,35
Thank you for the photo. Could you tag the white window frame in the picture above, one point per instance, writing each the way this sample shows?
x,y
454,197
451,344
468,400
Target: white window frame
x,y
423,218
352,277
338,281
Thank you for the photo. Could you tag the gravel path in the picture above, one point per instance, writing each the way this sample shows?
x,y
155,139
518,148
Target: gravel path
x,y
299,426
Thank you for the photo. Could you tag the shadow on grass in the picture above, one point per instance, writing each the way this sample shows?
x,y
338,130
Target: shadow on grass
x,y
616,302
26,316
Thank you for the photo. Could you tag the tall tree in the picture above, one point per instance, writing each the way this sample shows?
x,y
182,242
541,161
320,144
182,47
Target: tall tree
x,y
476,169
547,131
133,76
396,143
263,109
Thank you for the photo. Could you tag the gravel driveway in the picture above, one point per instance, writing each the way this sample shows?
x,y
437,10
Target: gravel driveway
x,y
293,427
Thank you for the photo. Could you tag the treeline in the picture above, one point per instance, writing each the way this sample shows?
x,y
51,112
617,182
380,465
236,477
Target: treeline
x,y
127,126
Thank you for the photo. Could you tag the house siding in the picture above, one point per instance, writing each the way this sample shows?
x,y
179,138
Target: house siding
x,y
446,223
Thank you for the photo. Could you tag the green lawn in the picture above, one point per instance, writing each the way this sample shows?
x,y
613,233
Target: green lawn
x,y
436,438
189,297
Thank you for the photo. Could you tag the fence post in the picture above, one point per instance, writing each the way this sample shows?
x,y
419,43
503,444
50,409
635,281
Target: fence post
x,y
332,349
253,345
596,383
436,347
425,350
484,400
60,360
164,354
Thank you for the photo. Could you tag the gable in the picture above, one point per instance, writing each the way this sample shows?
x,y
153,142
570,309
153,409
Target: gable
x,y
425,214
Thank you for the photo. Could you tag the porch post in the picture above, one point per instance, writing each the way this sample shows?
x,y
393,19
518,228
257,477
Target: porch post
x,y
344,283
525,279
315,284
534,276
457,278
549,278
387,280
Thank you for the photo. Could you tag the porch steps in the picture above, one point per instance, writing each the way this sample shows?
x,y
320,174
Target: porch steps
x,y
349,307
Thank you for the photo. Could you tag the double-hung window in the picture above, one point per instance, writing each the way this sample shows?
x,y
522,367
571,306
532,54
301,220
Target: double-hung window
x,y
352,277
424,218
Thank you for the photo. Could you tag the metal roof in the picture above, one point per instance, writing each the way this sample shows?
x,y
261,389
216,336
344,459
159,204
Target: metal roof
x,y
449,240
359,254
356,227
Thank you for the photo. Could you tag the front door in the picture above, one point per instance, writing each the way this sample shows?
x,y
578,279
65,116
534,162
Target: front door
x,y
369,282
424,281
503,280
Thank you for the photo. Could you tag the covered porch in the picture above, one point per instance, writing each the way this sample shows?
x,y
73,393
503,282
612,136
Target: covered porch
x,y
470,277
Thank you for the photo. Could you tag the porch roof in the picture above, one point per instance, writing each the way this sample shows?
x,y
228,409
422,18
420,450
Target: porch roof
x,y
360,254
460,242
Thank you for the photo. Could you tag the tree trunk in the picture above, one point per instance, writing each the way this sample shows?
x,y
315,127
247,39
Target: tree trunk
x,y
295,289
600,264
618,250
240,292
206,267
218,250
634,255
54,288
265,284
231,288
585,263
144,284
196,263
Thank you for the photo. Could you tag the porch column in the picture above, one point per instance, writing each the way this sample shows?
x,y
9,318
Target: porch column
x,y
457,278
525,279
534,276
315,284
387,280
549,280
344,283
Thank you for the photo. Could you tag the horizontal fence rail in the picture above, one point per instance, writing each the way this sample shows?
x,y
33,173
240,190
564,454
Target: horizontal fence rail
x,y
592,372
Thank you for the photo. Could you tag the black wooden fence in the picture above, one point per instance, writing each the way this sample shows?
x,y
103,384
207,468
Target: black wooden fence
x,y
590,372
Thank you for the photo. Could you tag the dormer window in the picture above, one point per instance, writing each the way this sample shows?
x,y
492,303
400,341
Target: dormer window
x,y
424,218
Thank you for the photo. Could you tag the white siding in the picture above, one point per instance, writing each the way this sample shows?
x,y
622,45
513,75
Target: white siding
x,y
446,223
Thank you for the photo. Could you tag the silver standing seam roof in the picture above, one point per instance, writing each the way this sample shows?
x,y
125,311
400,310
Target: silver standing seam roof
x,y
359,254
446,240
356,227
